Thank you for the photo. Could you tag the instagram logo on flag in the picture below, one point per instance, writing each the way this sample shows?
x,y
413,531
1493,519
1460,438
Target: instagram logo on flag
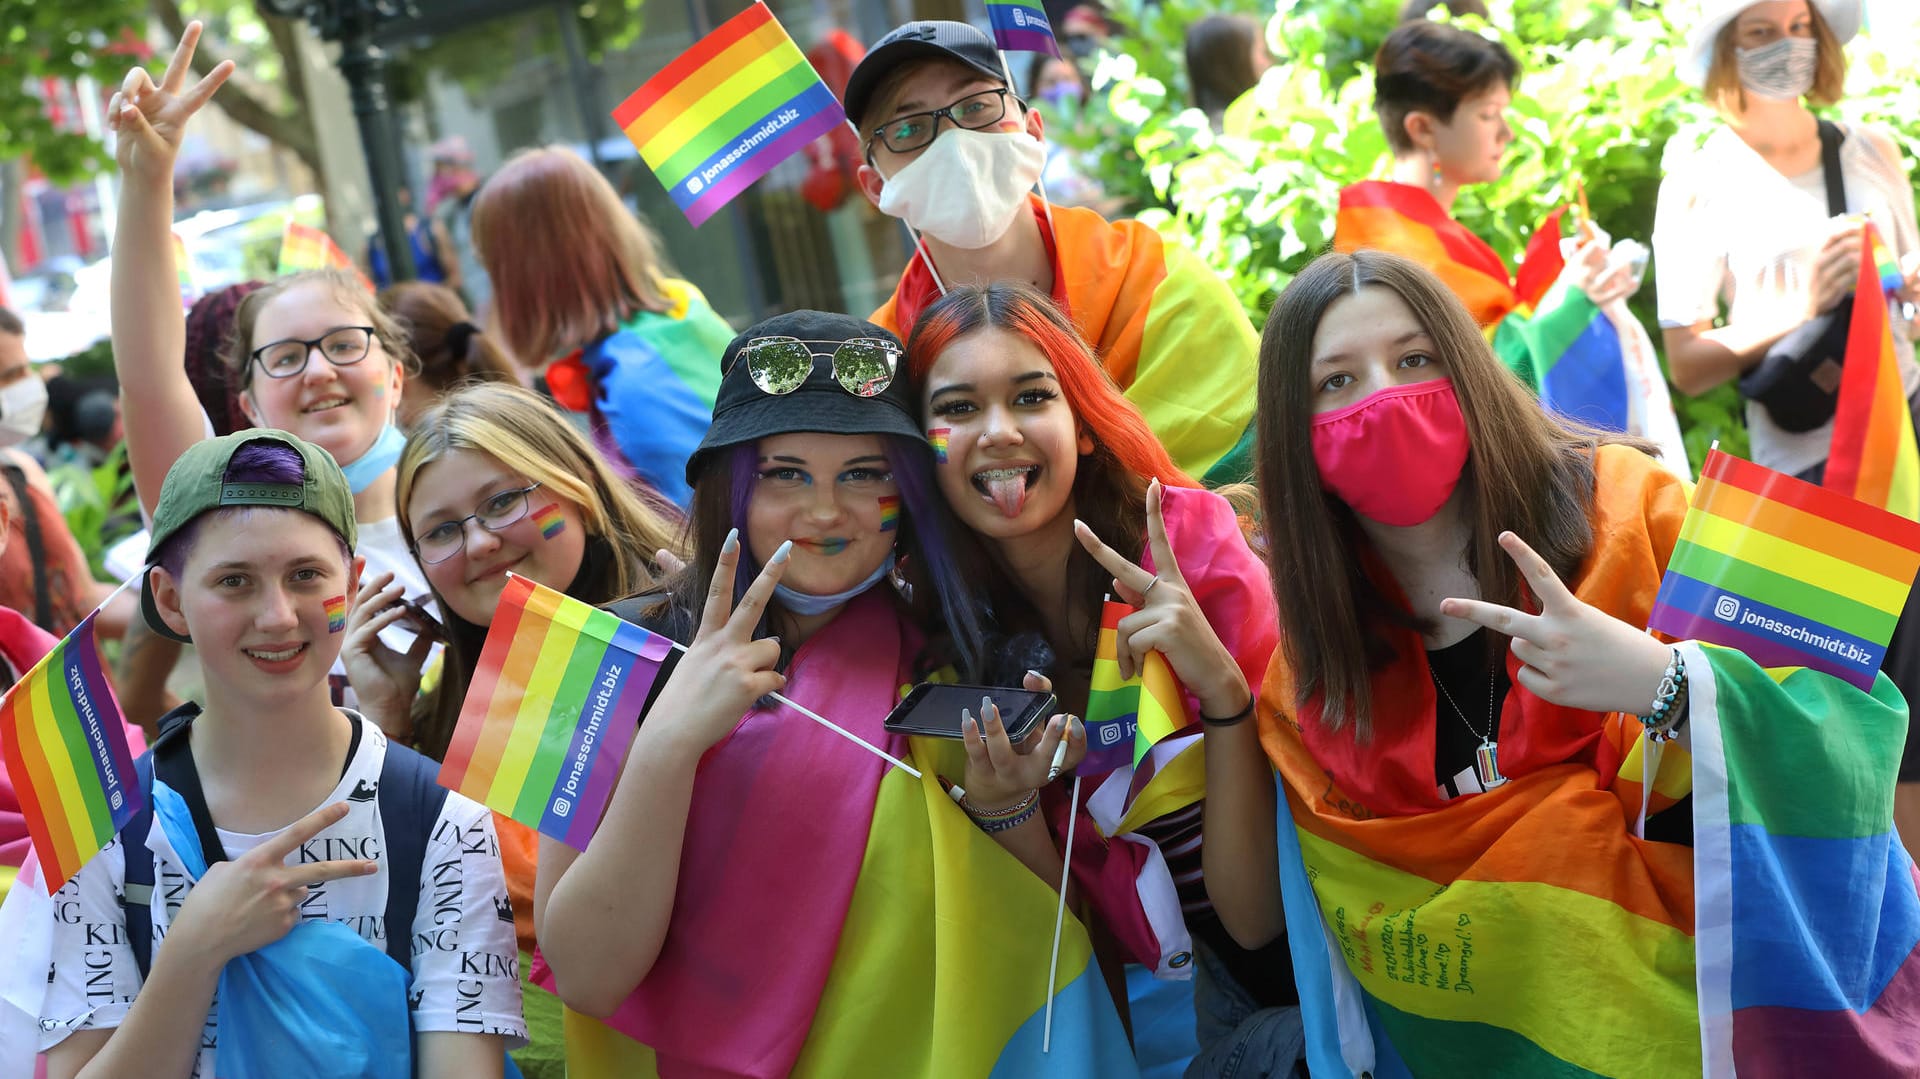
x,y
1726,609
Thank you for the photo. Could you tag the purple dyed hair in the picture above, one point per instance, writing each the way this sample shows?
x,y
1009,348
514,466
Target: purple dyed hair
x,y
922,530
255,462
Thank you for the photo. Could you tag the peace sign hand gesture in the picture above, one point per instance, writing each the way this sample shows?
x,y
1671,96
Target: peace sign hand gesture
x,y
149,121
1169,620
1574,654
246,904
725,670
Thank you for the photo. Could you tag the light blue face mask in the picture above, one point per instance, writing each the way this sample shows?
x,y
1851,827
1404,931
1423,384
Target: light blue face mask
x,y
379,457
806,603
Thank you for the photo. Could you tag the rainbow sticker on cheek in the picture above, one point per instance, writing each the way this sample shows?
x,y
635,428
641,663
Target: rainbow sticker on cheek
x,y
549,519
889,512
937,438
336,614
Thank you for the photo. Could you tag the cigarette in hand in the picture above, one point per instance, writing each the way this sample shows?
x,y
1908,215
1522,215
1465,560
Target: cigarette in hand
x,y
1059,760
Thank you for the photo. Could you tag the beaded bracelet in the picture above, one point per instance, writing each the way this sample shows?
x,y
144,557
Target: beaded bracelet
x,y
1016,813
1669,702
1032,805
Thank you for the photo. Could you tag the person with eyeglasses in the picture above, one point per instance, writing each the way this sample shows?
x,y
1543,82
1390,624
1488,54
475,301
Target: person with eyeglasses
x,y
311,353
952,151
788,903
1058,478
495,480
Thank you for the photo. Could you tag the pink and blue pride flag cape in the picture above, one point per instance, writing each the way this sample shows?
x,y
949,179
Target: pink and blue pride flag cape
x,y
1021,27
553,703
726,111
65,749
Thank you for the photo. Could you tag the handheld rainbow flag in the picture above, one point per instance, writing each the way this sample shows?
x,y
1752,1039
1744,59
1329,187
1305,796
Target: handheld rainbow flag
x,y
725,112
65,749
1873,457
1021,27
303,247
1139,730
1884,264
553,704
1791,574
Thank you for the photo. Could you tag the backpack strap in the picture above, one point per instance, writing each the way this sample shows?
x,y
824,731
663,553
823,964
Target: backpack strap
x,y
1830,139
36,545
410,802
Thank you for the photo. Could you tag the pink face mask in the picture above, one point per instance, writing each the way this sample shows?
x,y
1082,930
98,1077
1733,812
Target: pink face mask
x,y
1395,456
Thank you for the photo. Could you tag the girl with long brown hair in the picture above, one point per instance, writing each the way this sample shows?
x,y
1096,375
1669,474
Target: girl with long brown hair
x,y
1056,474
1465,711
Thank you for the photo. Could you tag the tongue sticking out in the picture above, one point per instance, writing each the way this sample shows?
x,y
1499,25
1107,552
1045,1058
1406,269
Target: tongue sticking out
x,y
1008,492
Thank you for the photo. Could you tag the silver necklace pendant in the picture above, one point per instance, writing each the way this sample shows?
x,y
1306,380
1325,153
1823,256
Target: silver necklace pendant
x,y
1486,764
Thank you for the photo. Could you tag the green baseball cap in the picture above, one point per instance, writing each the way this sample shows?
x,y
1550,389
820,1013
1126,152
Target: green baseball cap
x,y
198,482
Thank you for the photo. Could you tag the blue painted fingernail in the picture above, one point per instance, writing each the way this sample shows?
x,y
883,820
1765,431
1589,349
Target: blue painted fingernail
x,y
780,555
733,542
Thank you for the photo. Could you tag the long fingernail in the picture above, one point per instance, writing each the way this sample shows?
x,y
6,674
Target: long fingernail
x,y
966,720
733,542
985,703
1034,674
780,555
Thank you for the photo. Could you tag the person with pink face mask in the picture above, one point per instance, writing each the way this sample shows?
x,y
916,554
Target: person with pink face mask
x,y
952,151
1459,713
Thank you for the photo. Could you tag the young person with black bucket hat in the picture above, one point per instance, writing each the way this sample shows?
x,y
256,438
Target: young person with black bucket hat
x,y
788,902
349,915
953,152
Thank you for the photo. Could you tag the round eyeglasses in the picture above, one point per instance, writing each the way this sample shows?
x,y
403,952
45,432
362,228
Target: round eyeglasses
x,y
863,367
449,538
342,346
905,134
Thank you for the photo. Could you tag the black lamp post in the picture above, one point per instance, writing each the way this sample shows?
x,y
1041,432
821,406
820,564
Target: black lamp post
x,y
352,24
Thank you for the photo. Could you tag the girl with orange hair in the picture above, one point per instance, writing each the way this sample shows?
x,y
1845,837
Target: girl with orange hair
x,y
581,300
1056,473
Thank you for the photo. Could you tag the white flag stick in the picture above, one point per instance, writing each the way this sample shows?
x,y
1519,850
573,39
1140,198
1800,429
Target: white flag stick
x,y
835,728
1060,913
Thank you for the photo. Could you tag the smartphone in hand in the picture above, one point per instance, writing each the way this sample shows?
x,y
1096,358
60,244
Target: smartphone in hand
x,y
933,710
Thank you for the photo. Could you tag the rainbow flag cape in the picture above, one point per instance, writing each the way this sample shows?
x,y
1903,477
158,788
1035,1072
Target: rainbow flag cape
x,y
1567,349
726,111
1139,732
1147,307
65,748
1873,457
1786,572
303,247
1021,27
554,701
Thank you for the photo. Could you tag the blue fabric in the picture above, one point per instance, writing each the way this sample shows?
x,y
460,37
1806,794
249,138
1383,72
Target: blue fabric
x,y
653,418
426,256
371,465
319,1002
1238,1038
1163,1029
1307,938
1588,382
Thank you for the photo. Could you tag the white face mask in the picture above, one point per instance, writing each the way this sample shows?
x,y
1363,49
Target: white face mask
x,y
23,404
1782,71
967,187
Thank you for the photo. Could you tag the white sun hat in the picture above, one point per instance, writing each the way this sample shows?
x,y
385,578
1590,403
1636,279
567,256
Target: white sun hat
x,y
1841,16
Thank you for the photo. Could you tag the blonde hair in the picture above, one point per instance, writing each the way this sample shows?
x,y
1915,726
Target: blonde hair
x,y
1723,89
569,262
528,436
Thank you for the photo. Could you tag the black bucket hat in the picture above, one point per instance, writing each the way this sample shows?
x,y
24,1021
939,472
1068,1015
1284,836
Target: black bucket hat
x,y
743,412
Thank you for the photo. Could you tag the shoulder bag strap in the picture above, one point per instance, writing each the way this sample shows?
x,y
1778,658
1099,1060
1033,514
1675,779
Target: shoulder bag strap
x,y
36,545
1830,139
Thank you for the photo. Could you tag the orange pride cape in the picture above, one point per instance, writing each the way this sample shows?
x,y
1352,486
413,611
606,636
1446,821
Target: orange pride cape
x,y
1169,331
1522,931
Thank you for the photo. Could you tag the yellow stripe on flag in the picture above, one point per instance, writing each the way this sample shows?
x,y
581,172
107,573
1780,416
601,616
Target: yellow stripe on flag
x,y
536,708
692,91
71,804
748,81
1816,569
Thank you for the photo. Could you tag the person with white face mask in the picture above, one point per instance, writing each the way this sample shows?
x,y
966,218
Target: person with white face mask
x,y
952,151
1746,228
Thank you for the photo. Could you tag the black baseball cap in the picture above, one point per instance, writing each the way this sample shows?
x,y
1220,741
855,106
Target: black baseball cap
x,y
743,412
927,39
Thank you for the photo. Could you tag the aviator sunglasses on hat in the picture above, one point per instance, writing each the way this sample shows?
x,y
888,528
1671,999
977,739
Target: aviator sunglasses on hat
x,y
863,366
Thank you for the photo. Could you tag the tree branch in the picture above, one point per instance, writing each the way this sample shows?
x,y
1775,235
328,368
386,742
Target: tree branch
x,y
287,44
294,133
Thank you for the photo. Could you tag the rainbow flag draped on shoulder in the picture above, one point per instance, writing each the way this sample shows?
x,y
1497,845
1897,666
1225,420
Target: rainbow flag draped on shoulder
x,y
1591,365
1529,930
65,749
829,916
726,111
1873,457
1140,736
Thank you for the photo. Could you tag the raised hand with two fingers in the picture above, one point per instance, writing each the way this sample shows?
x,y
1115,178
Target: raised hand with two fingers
x,y
244,905
725,669
149,119
1573,653
1169,620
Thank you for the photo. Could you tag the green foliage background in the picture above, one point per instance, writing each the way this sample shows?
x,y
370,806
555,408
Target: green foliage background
x,y
1597,101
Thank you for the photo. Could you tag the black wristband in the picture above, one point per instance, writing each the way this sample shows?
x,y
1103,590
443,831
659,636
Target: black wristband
x,y
1232,720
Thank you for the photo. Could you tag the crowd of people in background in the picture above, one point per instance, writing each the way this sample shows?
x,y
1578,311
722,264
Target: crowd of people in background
x,y
1365,550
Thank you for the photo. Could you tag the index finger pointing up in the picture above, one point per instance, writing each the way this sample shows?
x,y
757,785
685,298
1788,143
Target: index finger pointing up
x,y
1546,584
1164,562
1123,570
